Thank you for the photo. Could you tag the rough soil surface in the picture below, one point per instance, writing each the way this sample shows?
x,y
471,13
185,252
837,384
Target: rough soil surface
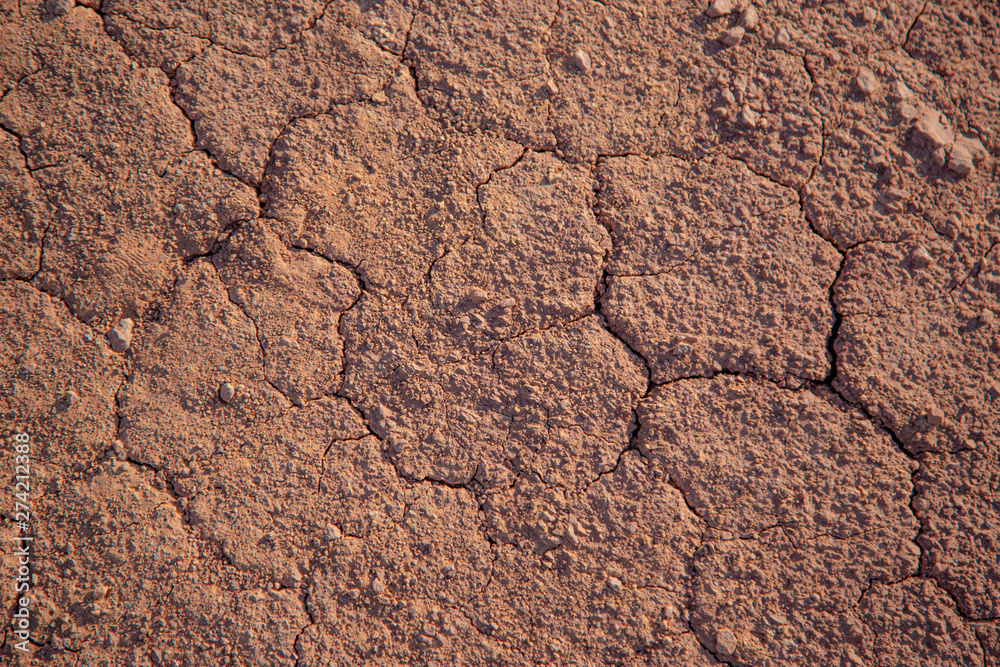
x,y
418,332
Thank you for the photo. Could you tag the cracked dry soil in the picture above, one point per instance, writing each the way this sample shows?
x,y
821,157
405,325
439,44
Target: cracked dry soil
x,y
555,332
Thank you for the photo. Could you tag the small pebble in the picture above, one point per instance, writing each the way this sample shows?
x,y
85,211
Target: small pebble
x,y
986,317
59,7
867,82
581,60
935,417
226,392
933,127
71,398
551,87
960,160
721,8
120,336
477,296
953,226
921,257
901,90
777,618
750,18
965,154
725,642
615,584
733,36
749,117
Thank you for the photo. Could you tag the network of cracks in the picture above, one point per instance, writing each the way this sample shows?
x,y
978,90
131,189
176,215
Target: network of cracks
x,y
440,333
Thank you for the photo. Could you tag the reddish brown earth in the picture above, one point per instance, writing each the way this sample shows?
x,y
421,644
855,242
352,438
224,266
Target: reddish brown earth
x,y
403,332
